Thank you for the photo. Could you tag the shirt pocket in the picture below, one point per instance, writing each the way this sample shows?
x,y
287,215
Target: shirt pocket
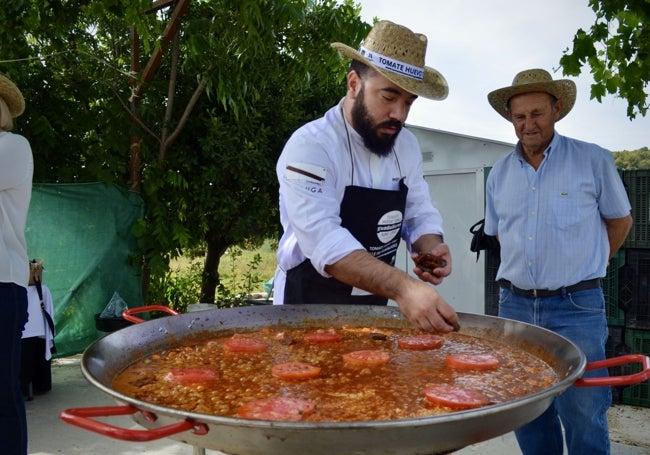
x,y
565,210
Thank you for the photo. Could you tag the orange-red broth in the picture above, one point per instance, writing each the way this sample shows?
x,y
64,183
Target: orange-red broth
x,y
341,392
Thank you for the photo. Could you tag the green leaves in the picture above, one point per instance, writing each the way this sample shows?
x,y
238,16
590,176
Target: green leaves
x,y
616,48
636,159
210,122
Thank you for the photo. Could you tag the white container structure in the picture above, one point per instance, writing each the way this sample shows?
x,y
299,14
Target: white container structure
x,y
455,167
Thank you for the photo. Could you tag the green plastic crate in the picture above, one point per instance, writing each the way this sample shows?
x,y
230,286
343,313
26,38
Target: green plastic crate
x,y
614,312
637,182
637,302
639,343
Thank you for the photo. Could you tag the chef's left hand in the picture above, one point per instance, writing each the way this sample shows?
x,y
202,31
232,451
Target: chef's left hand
x,y
438,274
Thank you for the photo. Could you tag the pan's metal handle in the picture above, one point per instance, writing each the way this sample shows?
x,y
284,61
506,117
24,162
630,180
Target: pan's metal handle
x,y
129,312
80,417
629,379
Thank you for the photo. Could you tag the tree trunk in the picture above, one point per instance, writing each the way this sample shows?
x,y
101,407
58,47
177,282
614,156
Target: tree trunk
x,y
216,247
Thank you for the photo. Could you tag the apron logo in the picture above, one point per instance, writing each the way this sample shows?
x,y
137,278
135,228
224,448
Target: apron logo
x,y
389,226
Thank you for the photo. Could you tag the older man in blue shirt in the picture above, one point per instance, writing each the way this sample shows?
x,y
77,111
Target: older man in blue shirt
x,y
560,211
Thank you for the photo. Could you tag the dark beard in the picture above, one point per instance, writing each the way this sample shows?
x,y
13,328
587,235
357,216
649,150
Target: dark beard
x,y
378,144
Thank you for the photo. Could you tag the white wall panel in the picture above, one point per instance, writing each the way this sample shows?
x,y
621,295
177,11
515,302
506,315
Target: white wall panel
x,y
454,168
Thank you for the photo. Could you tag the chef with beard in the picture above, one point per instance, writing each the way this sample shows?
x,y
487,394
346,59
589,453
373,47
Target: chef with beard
x,y
351,186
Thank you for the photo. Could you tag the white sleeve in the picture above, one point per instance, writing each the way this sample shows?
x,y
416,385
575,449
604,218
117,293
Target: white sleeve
x,y
310,202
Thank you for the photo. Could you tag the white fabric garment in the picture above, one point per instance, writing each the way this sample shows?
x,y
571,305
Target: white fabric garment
x,y
16,169
313,170
36,325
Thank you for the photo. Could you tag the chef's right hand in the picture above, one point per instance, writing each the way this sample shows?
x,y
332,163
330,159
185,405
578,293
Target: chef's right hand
x,y
423,307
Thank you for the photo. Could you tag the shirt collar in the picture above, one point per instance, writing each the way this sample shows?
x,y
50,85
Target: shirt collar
x,y
551,146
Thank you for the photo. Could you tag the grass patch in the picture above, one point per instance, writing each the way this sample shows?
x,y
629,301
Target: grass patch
x,y
242,274
236,265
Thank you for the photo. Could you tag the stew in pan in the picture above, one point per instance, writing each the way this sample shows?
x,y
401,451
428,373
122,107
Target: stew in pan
x,y
339,374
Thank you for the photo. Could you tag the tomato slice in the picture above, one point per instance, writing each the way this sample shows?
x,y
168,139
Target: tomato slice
x,y
191,375
295,370
472,361
367,357
244,344
323,337
421,342
277,408
455,397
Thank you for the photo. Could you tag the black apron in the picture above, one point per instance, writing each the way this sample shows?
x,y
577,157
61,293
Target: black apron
x,y
374,217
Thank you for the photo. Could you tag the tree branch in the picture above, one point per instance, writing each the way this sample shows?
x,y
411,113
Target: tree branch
x,y
188,110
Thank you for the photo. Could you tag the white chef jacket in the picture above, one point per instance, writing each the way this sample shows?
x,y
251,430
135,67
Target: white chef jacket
x,y
37,325
310,204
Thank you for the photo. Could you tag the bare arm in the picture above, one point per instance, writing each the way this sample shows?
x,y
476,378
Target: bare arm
x,y
617,230
419,302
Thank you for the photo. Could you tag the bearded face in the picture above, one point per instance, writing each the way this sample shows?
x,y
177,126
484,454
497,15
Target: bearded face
x,y
378,143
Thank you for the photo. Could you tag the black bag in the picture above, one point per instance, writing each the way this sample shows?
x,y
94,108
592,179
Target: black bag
x,y
482,241
46,315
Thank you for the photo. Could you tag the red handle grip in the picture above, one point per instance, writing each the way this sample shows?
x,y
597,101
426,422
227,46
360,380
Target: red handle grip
x,y
129,312
629,379
80,417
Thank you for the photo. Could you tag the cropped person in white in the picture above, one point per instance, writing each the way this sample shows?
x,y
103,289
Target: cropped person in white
x,y
37,325
351,186
38,336
16,171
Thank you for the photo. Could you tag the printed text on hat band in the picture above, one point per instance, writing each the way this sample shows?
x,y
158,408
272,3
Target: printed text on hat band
x,y
393,65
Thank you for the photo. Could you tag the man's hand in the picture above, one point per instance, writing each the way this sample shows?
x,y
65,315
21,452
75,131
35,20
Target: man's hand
x,y
426,309
419,302
434,276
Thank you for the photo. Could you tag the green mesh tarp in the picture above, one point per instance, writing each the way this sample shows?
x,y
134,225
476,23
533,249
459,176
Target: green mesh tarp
x,y
83,234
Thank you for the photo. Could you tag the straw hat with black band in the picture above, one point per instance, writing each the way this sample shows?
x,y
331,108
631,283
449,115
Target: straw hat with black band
x,y
534,80
12,96
398,54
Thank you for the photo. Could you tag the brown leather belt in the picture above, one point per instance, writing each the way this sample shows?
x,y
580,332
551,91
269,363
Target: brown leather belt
x,y
534,293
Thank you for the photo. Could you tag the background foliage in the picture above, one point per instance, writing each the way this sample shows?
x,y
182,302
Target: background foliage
x,y
233,83
617,50
638,159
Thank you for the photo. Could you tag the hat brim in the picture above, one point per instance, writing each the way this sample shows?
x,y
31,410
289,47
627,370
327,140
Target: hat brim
x,y
433,85
563,89
12,96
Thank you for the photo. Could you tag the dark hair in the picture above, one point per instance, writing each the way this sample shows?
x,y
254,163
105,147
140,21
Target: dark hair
x,y
361,68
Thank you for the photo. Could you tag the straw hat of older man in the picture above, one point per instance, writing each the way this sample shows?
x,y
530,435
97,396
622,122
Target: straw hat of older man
x,y
534,80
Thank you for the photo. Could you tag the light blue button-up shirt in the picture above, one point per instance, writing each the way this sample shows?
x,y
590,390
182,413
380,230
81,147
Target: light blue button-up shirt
x,y
550,220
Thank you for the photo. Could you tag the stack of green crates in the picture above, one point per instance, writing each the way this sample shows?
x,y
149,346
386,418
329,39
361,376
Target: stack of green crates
x,y
615,314
639,342
634,286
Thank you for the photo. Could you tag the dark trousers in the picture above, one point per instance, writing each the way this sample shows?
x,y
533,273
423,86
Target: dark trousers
x,y
35,371
13,422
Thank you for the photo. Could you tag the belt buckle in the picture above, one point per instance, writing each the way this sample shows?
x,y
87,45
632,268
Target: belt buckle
x,y
535,293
